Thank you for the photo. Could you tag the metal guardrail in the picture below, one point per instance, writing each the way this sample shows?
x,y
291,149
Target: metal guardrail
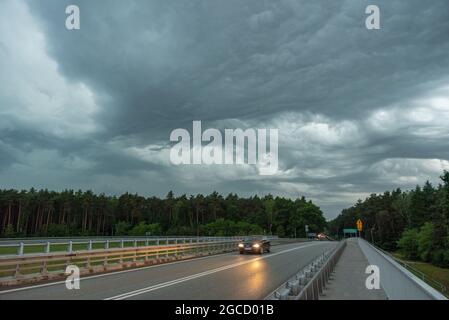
x,y
80,244
434,283
317,283
32,268
101,238
309,283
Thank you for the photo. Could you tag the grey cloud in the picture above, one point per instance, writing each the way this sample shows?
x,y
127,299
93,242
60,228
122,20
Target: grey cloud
x,y
168,63
154,66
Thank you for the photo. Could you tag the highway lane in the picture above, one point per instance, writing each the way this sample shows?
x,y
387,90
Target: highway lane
x,y
226,276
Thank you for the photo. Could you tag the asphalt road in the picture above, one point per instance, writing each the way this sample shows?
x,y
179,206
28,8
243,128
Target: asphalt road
x,y
222,277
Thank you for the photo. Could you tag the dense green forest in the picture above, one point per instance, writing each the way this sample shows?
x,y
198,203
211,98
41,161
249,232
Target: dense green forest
x,y
70,213
414,222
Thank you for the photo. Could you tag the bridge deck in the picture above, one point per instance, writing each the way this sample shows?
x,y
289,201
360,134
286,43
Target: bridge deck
x,y
228,276
348,279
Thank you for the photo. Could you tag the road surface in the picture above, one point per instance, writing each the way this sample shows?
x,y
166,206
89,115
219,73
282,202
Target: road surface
x,y
222,277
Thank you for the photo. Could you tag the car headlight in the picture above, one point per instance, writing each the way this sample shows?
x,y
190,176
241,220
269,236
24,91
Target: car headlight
x,y
256,245
240,245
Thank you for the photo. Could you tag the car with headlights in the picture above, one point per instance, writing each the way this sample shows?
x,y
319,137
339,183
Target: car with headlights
x,y
254,244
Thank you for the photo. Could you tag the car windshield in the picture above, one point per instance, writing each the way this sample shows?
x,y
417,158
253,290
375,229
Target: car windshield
x,y
253,238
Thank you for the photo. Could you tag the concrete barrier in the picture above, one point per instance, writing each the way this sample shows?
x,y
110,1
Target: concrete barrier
x,y
397,282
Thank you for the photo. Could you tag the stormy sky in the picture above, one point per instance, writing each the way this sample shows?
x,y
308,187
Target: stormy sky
x,y
358,111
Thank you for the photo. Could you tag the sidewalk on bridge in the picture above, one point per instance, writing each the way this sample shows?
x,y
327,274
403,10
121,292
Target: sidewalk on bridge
x,y
348,279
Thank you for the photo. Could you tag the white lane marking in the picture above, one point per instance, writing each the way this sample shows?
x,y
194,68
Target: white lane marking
x,y
198,275
113,273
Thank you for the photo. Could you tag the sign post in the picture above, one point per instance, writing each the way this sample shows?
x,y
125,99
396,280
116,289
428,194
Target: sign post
x,y
359,226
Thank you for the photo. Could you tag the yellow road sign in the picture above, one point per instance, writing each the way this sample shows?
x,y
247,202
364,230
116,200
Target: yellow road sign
x,y
359,225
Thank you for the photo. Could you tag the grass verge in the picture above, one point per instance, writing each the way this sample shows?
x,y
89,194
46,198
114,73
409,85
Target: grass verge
x,y
435,273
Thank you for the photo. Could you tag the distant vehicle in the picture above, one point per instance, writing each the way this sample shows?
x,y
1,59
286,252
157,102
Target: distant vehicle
x,y
311,236
321,236
254,244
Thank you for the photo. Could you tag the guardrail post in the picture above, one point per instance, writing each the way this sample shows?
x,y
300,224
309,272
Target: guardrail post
x,y
89,245
88,263
44,268
135,243
47,247
282,294
135,254
147,243
183,247
20,250
176,248
166,243
122,243
105,261
106,244
121,259
146,255
70,247
17,272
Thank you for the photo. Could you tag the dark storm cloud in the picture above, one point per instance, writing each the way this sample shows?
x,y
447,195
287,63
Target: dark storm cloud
x,y
308,67
166,63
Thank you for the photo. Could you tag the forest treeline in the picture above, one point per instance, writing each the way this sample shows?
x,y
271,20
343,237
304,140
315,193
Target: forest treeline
x,y
77,213
414,222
